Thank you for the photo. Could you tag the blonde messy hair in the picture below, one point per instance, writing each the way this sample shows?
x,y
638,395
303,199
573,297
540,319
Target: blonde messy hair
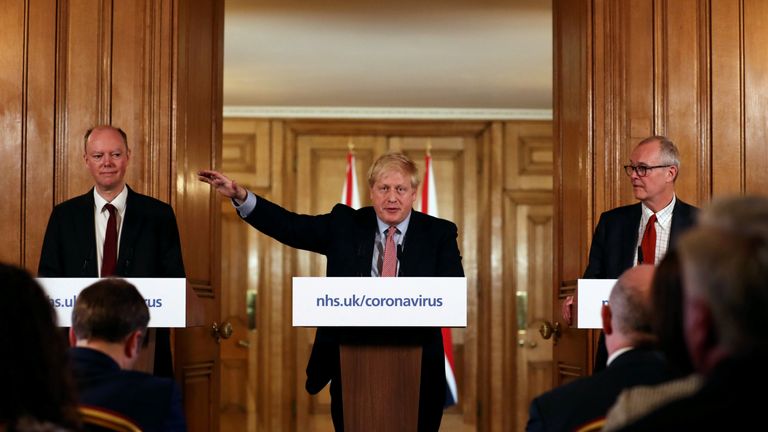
x,y
393,161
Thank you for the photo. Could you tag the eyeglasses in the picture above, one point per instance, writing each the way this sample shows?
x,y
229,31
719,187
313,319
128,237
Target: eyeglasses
x,y
641,170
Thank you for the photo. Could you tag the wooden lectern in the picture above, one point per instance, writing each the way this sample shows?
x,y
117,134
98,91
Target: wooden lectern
x,y
381,387
383,327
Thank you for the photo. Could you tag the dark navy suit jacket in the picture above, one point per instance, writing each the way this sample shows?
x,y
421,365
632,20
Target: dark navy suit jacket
x,y
153,403
346,237
586,399
149,247
614,245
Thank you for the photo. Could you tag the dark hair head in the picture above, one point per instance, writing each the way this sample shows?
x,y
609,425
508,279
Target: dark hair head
x,y
109,310
667,300
34,371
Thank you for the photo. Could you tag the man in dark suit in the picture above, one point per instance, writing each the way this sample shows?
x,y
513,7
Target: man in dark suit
x,y
725,268
355,243
632,361
143,231
642,232
109,320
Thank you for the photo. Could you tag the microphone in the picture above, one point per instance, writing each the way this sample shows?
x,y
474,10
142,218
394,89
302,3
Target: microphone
x,y
640,259
400,259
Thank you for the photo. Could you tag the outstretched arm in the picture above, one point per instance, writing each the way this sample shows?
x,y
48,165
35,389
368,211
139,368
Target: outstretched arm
x,y
223,184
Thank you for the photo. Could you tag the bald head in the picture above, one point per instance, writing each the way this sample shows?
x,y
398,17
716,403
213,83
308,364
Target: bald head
x,y
630,310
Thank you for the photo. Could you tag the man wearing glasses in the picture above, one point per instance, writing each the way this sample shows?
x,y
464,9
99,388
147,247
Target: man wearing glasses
x,y
639,233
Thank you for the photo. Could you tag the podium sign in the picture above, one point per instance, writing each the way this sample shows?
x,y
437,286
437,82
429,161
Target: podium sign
x,y
379,302
165,297
591,295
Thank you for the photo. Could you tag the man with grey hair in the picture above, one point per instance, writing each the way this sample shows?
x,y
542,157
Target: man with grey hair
x,y
640,233
725,269
632,361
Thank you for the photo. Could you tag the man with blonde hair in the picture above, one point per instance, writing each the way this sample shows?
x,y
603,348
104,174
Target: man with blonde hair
x,y
385,239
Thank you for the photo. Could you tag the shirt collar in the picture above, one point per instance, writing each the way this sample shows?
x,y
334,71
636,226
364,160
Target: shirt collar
x,y
402,226
617,353
119,201
661,215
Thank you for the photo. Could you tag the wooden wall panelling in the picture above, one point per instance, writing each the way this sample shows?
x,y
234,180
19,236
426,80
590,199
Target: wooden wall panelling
x,y
237,401
13,45
36,149
685,92
246,157
728,96
471,242
85,78
574,164
196,141
247,151
500,410
281,398
755,83
528,269
527,240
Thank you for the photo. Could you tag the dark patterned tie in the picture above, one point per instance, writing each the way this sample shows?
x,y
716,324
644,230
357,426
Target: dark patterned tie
x,y
648,245
389,267
110,243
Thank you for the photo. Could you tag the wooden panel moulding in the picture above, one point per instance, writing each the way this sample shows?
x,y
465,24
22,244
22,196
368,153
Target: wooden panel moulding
x,y
728,97
685,97
756,88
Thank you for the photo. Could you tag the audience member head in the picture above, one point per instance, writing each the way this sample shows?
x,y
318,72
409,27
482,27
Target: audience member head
x,y
725,293
393,180
628,315
35,380
110,316
667,318
747,215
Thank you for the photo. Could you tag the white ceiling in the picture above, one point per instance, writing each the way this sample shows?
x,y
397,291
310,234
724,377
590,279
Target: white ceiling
x,y
455,54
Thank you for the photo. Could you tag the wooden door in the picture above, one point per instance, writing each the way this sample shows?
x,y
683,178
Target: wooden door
x,y
197,138
527,256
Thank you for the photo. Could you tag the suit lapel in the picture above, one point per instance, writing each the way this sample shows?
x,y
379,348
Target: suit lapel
x,y
87,231
631,228
680,221
365,237
129,231
413,244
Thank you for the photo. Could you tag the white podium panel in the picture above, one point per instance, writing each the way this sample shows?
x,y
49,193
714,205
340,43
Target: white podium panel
x,y
165,297
379,302
590,297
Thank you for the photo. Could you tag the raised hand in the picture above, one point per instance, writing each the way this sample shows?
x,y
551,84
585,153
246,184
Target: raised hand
x,y
222,184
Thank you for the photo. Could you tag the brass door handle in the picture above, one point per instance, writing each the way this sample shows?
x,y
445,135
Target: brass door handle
x,y
547,330
223,331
